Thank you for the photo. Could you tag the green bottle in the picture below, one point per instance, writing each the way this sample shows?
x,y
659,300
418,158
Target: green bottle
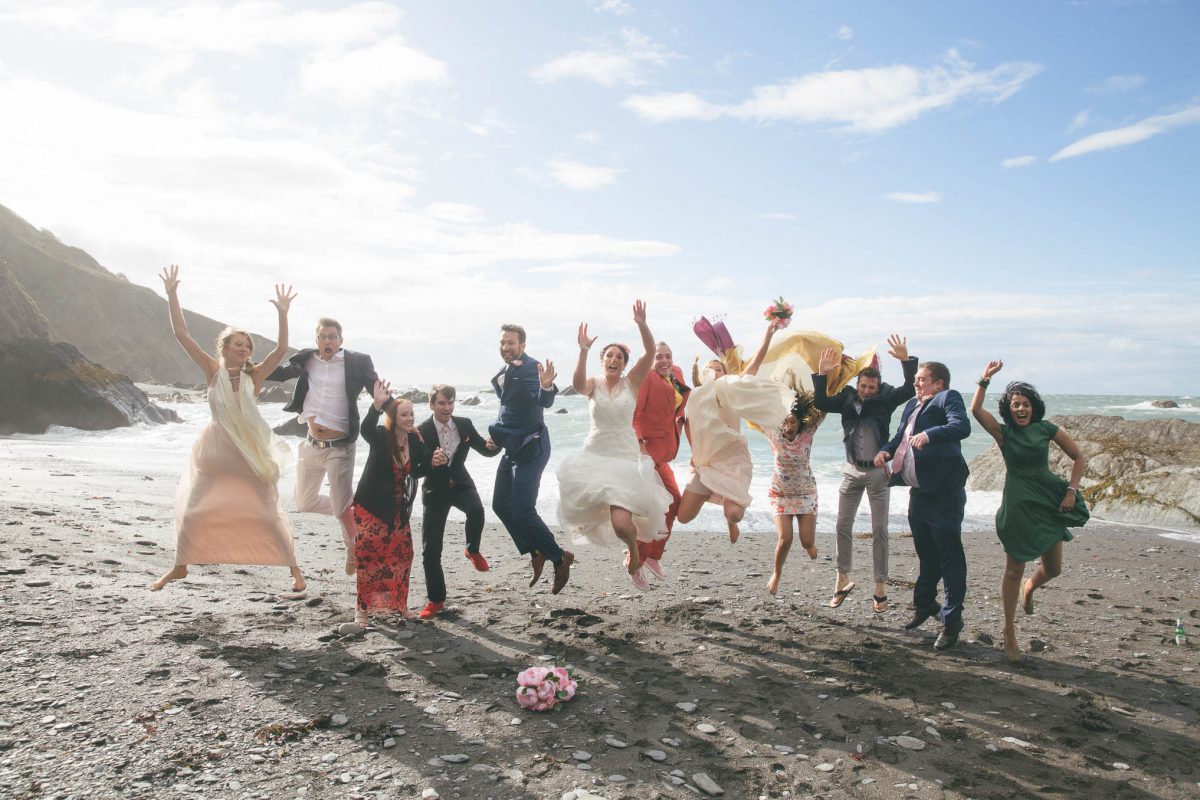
x,y
1180,636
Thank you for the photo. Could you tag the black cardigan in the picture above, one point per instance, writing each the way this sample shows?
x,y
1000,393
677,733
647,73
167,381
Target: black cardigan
x,y
377,487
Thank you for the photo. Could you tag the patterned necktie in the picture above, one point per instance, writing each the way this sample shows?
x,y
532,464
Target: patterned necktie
x,y
902,448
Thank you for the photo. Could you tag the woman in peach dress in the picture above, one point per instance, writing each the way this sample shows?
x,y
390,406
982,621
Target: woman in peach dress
x,y
227,508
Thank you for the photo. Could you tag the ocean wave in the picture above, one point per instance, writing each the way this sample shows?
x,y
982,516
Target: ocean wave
x,y
1147,405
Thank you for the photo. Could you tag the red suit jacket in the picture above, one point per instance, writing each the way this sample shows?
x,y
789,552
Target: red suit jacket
x,y
656,421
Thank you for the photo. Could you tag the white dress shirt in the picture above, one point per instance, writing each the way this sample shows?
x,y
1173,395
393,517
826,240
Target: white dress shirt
x,y
326,402
448,437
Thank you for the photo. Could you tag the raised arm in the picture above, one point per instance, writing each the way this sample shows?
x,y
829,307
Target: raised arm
x,y
282,302
830,404
756,362
896,395
1068,446
638,373
170,279
381,395
982,416
580,381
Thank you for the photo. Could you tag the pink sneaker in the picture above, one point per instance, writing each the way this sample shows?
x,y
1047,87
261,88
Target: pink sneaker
x,y
639,580
655,568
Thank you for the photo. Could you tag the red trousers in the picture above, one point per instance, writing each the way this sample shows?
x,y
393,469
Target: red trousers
x,y
655,549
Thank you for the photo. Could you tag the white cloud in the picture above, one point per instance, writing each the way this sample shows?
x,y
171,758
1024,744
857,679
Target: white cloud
x,y
1131,134
585,268
455,212
609,64
914,197
845,33
358,76
591,137
616,7
582,177
781,215
1117,84
873,99
1080,120
1018,161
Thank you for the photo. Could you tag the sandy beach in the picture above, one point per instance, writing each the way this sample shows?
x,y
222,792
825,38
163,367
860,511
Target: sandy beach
x,y
222,687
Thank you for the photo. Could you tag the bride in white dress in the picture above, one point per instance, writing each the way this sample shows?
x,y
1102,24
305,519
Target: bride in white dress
x,y
609,490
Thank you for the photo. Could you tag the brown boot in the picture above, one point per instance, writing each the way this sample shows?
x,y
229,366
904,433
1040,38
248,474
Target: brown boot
x,y
538,562
562,571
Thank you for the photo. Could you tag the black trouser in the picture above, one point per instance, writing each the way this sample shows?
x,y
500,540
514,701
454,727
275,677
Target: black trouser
x,y
433,529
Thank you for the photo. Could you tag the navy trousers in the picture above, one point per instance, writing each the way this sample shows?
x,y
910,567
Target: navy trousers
x,y
936,522
514,500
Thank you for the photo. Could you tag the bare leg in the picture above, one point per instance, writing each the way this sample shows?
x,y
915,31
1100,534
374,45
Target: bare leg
x,y
178,572
783,526
1010,586
690,505
298,584
1050,568
806,528
622,522
733,515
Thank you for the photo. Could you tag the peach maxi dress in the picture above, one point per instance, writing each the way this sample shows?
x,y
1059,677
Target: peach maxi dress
x,y
227,508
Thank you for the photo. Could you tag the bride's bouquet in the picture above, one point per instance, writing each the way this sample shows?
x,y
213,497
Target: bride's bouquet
x,y
779,311
543,688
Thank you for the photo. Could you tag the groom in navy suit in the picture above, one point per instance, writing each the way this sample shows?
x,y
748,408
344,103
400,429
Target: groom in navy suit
x,y
925,454
525,389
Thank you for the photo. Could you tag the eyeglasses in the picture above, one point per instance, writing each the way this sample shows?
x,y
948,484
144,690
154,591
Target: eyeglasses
x,y
328,337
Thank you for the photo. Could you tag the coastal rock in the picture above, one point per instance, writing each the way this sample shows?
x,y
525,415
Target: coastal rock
x,y
293,427
568,392
1164,404
51,383
1139,471
473,400
275,392
414,396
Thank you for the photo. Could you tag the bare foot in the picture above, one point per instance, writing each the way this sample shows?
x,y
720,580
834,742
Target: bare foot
x,y
360,619
298,584
407,614
1027,597
178,572
773,584
1011,651
734,533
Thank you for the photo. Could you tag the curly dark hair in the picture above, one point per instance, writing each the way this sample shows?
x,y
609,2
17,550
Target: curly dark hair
x,y
805,410
1028,392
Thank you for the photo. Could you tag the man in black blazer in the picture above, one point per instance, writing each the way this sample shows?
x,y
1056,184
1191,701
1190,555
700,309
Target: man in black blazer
x,y
866,410
926,455
329,379
447,486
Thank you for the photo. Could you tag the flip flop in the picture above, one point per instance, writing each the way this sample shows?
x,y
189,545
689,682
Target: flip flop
x,y
879,603
839,596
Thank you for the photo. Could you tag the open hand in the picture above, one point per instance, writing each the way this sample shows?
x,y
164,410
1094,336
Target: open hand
x,y
898,347
830,358
380,393
170,278
993,366
283,298
639,313
546,373
584,341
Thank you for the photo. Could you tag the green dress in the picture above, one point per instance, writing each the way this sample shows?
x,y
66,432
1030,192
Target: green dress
x,y
1029,522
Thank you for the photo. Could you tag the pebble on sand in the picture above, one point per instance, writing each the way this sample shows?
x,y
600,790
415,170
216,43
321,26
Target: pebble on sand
x,y
707,785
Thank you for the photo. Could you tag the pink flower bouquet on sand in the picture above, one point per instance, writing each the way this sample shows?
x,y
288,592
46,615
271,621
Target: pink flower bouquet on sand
x,y
542,688
779,311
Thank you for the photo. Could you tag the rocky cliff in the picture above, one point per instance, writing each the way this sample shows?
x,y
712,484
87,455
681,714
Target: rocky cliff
x,y
110,320
1140,471
51,383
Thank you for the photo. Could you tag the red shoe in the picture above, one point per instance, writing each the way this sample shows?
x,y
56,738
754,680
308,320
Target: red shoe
x,y
431,610
477,561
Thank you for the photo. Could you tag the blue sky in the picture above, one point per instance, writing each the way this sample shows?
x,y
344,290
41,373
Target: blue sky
x,y
1010,180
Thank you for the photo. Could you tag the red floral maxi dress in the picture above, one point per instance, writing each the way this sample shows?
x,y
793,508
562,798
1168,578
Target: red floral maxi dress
x,y
385,550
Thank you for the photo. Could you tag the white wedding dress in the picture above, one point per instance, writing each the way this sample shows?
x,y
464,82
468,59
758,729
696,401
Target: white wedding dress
x,y
611,470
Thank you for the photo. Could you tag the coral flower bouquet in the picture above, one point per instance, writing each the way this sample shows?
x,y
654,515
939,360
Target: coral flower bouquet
x,y
779,311
543,688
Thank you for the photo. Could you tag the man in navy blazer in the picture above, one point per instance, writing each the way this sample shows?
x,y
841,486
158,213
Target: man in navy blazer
x,y
926,455
525,389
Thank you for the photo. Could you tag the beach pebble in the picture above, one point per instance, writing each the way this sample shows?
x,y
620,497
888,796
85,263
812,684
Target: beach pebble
x,y
37,584
1016,741
617,779
581,755
671,741
455,758
581,794
910,743
686,707
429,794
1120,765
339,720
867,781
1036,645
707,785
704,727
826,767
613,741
985,638
655,755
389,743
349,629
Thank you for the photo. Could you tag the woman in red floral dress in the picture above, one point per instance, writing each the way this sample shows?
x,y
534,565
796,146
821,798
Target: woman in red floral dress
x,y
383,505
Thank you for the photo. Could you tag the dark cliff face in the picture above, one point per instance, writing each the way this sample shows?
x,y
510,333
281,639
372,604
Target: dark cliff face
x,y
110,320
51,383
1144,471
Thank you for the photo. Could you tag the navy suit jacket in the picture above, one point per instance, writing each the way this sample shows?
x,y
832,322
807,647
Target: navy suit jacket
x,y
522,403
940,463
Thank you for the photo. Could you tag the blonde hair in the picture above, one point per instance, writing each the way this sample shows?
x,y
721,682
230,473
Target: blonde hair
x,y
223,339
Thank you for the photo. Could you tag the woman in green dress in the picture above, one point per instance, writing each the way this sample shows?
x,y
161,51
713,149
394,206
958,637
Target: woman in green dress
x,y
1038,506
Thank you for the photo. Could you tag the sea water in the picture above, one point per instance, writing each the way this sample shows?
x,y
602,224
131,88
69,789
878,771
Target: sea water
x,y
142,463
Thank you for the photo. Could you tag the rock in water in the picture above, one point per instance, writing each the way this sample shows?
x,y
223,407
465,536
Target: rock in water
x,y
1164,404
51,383
1139,471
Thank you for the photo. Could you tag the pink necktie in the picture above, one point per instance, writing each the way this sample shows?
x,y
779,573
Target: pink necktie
x,y
902,448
